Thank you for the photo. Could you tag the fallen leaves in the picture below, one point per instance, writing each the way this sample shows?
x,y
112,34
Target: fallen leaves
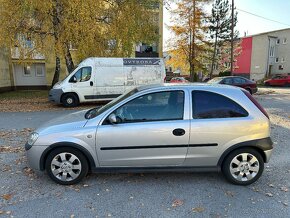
x,y
229,193
10,149
7,197
269,194
197,209
177,203
284,189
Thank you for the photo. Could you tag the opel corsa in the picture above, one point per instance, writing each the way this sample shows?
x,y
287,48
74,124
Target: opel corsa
x,y
182,127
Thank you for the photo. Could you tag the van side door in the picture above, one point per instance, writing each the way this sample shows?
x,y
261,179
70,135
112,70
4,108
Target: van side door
x,y
82,82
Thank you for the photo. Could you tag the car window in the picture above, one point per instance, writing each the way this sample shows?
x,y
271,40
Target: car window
x,y
239,80
227,81
167,105
208,105
83,74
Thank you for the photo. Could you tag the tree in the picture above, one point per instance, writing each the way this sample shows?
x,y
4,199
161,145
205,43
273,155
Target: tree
x,y
220,24
95,28
189,29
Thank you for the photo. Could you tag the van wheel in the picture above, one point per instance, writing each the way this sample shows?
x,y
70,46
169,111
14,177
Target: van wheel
x,y
66,166
70,100
243,166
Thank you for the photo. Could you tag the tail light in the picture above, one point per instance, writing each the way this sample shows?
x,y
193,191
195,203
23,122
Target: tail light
x,y
256,103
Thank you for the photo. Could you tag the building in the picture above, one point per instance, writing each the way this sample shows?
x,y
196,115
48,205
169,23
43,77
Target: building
x,y
36,72
264,55
156,49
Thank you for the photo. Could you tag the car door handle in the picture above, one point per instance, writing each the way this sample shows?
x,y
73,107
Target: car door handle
x,y
178,132
91,83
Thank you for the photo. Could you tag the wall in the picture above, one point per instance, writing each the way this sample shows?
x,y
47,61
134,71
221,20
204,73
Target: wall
x,y
243,61
5,81
259,60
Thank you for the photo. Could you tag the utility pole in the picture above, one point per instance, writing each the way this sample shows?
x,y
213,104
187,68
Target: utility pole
x,y
232,38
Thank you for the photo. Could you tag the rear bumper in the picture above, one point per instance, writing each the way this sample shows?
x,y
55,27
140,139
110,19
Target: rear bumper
x,y
268,155
254,90
55,95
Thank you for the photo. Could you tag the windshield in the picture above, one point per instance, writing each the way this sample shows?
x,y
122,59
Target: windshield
x,y
215,80
92,113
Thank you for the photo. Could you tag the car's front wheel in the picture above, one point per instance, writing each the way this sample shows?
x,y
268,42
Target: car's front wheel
x,y
243,166
66,166
70,100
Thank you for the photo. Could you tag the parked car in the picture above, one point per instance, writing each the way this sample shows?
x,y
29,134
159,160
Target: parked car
x,y
242,82
279,80
103,79
178,80
181,127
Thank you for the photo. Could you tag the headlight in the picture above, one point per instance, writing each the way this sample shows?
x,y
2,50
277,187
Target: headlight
x,y
32,138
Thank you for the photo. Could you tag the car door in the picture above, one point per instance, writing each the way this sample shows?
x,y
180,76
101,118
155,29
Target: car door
x,y
216,120
82,83
152,130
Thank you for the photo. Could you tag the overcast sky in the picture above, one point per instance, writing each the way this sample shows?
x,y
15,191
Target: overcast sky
x,y
277,10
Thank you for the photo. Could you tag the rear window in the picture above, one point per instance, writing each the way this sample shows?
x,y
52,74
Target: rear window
x,y
209,105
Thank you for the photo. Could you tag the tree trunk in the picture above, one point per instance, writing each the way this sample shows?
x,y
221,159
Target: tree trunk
x,y
57,71
213,57
68,59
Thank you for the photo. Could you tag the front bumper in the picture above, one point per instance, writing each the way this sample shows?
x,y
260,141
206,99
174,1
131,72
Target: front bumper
x,y
55,95
33,156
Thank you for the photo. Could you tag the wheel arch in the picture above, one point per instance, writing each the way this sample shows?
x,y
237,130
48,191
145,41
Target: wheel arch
x,y
260,145
83,150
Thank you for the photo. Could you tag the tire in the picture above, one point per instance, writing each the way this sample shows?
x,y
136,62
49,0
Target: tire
x,y
66,166
70,100
238,164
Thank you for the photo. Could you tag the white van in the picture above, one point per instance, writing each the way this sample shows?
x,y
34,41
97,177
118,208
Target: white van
x,y
102,79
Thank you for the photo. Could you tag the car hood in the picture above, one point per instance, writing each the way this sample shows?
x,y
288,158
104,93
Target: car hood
x,y
68,122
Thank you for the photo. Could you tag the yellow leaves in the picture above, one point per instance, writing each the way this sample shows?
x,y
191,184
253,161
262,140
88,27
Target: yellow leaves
x,y
7,197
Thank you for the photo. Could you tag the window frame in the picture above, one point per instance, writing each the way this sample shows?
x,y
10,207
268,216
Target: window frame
x,y
38,66
25,68
105,121
81,69
212,92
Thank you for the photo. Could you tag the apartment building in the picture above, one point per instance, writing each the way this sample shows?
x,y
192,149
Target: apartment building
x,y
264,55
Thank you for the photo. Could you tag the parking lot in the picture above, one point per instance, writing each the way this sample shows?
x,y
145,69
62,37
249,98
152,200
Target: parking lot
x,y
25,193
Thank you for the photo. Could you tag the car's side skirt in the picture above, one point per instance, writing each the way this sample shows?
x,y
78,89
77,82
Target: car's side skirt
x,y
155,169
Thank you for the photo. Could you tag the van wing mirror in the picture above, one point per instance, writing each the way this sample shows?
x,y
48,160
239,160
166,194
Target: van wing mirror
x,y
112,118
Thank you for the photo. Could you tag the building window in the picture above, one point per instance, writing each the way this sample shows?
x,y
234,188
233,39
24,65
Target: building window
x,y
272,49
284,40
282,60
27,70
278,41
281,67
276,60
39,70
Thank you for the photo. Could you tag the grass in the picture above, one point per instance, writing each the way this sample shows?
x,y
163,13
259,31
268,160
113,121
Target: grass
x,y
24,94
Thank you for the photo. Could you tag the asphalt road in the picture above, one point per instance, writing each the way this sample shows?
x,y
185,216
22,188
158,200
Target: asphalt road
x,y
24,193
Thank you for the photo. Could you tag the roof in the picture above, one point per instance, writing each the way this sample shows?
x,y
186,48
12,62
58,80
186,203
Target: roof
x,y
186,85
264,33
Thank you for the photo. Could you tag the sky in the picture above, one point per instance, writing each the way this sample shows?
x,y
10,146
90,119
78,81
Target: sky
x,y
278,10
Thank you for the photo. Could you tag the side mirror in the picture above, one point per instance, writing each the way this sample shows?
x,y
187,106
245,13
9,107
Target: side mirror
x,y
112,119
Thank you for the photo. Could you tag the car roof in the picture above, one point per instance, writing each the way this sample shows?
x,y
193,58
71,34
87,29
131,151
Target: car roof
x,y
223,77
186,85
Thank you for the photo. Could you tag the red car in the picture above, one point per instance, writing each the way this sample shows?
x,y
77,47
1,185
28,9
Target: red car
x,y
278,80
178,80
242,82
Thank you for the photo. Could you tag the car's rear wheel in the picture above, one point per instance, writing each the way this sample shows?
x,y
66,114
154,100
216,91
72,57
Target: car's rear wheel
x,y
70,100
66,166
243,166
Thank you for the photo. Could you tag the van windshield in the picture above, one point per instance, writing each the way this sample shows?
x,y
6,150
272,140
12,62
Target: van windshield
x,y
92,113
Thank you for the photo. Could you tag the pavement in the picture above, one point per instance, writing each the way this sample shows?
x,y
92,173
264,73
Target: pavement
x,y
25,193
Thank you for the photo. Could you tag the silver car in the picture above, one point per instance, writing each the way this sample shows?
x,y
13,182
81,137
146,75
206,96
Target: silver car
x,y
180,127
